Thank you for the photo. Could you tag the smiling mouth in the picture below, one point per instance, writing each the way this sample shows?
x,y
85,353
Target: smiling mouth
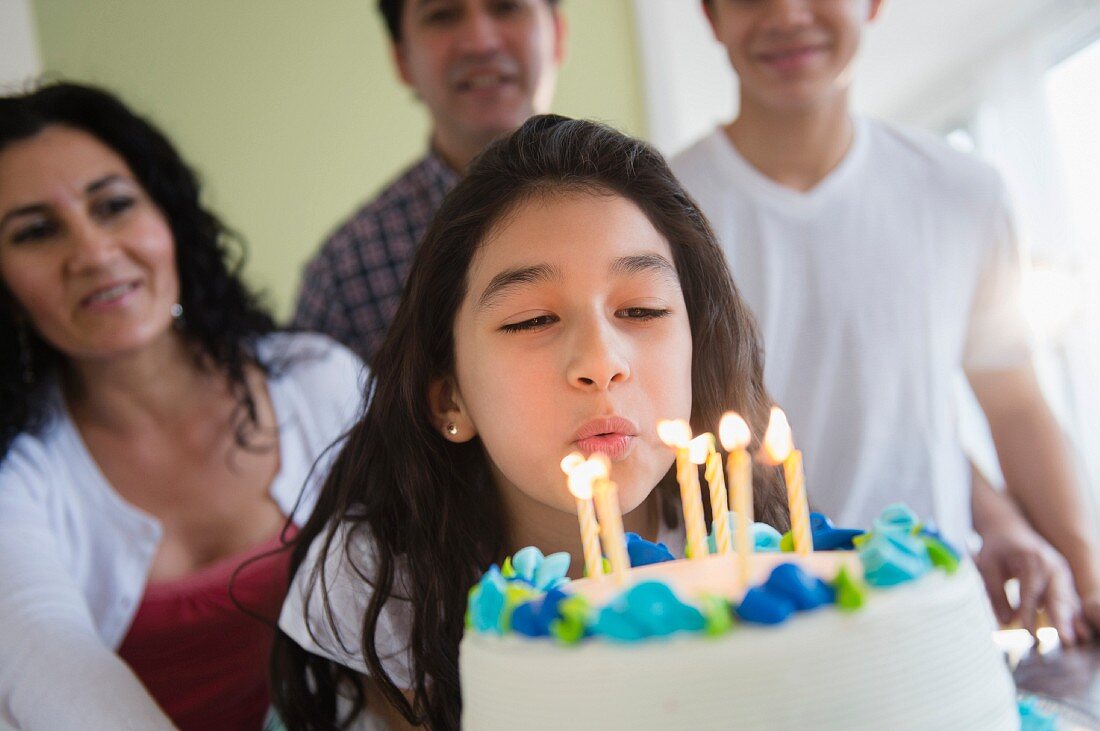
x,y
792,55
109,295
480,82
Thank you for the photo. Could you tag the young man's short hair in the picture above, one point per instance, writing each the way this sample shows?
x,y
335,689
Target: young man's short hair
x,y
391,11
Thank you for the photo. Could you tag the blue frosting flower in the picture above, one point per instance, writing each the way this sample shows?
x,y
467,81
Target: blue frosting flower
x,y
803,590
765,539
486,602
893,557
896,517
534,618
1033,718
828,537
541,572
788,589
761,606
644,553
647,609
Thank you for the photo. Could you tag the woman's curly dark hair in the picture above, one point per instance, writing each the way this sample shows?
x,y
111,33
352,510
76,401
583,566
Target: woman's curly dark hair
x,y
222,318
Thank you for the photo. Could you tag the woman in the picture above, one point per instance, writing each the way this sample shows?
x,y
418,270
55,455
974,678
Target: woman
x,y
155,432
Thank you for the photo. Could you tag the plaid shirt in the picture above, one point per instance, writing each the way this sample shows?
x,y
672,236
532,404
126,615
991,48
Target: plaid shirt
x,y
351,288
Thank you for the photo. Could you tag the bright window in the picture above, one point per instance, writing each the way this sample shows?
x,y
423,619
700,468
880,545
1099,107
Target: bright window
x,y
1073,97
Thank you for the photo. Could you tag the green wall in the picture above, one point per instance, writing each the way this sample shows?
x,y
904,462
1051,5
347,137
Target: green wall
x,y
293,115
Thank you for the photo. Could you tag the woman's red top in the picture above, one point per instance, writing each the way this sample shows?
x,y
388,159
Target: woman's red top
x,y
200,654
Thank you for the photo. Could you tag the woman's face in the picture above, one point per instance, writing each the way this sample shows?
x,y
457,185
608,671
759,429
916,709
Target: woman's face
x,y
86,253
573,335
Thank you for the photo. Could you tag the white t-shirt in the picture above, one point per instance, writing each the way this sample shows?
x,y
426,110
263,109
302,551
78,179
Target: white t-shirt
x,y
75,557
871,291
337,636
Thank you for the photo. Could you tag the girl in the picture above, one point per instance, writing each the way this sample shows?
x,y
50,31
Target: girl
x,y
567,296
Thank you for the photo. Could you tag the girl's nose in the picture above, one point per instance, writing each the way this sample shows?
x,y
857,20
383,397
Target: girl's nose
x,y
599,360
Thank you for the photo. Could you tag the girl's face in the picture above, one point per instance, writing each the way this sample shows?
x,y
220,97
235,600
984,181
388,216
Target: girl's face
x,y
573,335
87,255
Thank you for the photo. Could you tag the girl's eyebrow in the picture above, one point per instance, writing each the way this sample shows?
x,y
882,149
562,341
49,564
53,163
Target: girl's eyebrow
x,y
510,278
645,263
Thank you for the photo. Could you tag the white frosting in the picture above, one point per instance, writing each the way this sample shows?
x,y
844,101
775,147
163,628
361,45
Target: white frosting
x,y
917,656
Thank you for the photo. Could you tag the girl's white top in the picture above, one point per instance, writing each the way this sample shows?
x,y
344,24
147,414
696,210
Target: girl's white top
x,y
337,634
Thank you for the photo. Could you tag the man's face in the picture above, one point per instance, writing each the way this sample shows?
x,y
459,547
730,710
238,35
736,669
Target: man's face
x,y
481,66
791,54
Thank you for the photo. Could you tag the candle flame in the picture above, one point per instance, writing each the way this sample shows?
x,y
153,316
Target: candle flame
x,y
583,473
571,461
778,442
580,485
600,465
700,448
733,431
676,433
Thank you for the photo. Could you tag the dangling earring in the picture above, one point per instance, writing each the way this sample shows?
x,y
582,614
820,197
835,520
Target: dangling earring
x,y
452,428
25,355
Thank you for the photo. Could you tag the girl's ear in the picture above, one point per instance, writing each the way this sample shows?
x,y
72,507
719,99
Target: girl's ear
x,y
449,412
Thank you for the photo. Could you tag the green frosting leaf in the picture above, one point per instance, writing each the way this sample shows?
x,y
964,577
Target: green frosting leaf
x,y
850,593
786,543
569,627
716,613
940,554
508,571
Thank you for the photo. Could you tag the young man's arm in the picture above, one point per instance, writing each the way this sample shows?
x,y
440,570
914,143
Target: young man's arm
x,y
1038,473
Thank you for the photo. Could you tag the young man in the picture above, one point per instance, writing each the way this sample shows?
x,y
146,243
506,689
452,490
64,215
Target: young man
x,y
481,68
878,263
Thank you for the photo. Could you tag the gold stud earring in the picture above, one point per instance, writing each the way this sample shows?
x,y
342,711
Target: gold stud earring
x,y
452,428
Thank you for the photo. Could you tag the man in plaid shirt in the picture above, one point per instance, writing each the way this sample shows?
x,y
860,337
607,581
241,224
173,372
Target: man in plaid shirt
x,y
481,67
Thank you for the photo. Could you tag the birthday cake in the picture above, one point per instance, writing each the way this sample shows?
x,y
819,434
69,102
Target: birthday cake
x,y
886,628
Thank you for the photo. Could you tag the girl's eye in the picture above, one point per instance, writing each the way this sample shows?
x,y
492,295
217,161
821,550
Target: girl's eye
x,y
535,323
643,313
35,231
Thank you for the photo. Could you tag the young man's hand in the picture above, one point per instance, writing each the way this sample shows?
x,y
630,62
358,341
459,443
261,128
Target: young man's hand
x,y
1012,550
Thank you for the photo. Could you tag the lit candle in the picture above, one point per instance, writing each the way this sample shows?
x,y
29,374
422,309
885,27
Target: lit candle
x,y
606,495
702,451
779,448
735,436
677,434
580,485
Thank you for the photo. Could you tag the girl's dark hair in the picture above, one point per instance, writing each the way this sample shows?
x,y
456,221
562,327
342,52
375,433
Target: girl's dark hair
x,y
428,505
220,316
